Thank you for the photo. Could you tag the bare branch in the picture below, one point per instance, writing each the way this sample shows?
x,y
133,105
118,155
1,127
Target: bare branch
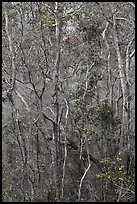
x,y
120,192
127,59
65,149
11,50
47,118
81,181
23,100
74,11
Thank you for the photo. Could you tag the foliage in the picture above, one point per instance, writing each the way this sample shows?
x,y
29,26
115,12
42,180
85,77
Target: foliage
x,y
68,126
113,171
114,174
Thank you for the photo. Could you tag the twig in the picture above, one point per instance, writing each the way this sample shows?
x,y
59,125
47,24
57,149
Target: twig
x,y
120,192
46,117
23,101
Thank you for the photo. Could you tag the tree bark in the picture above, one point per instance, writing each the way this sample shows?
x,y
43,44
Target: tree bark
x,y
56,132
122,80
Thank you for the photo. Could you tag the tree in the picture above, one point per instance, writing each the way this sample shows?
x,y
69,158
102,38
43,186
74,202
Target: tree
x,y
68,101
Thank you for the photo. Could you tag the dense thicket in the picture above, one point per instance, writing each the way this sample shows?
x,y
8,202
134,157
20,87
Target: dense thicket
x,y
68,101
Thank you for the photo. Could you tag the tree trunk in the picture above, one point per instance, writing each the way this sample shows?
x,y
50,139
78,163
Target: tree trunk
x,y
123,82
56,132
